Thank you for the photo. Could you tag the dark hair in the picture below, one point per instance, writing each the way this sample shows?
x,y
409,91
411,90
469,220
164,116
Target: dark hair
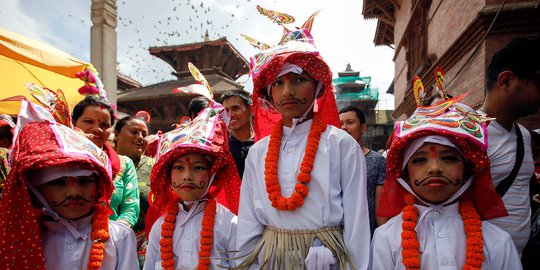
x,y
243,95
91,101
122,122
196,105
521,56
359,113
428,101
5,132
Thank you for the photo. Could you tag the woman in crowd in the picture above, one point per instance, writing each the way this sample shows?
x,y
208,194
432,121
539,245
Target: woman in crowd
x,y
95,117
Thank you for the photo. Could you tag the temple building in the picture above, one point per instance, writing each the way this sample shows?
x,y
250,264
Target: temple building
x,y
460,36
353,89
217,60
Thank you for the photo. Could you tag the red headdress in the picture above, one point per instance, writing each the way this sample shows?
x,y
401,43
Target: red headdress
x,y
40,142
297,48
206,134
466,129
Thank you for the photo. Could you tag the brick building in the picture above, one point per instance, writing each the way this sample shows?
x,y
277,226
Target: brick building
x,y
430,33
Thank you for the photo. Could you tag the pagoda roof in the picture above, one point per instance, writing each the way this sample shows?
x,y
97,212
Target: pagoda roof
x,y
218,83
383,11
204,55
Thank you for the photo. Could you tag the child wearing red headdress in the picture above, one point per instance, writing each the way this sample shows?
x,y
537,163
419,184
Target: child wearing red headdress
x,y
439,192
54,212
303,200
194,170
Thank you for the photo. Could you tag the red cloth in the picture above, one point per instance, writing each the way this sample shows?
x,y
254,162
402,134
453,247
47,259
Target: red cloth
x,y
315,66
225,187
481,193
113,157
35,148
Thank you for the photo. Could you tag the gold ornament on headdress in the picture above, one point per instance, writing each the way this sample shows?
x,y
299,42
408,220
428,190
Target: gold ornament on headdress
x,y
419,92
255,43
200,78
275,16
54,102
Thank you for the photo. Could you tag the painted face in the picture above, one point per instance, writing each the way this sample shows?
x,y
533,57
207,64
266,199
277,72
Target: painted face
x,y
240,113
351,124
292,95
435,172
71,197
96,121
130,141
190,175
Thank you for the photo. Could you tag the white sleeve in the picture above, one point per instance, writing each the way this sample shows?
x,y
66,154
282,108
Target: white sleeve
x,y
226,228
127,250
152,250
381,252
249,228
356,216
503,253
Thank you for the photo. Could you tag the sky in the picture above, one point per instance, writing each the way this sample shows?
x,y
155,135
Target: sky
x,y
341,33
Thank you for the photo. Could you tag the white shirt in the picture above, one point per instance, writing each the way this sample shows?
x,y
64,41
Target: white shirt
x,y
442,239
502,155
337,191
187,239
63,250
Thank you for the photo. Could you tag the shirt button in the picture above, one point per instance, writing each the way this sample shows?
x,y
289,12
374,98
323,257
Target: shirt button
x,y
290,150
436,214
69,247
444,262
440,235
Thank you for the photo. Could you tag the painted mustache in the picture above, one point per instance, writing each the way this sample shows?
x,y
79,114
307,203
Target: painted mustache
x,y
420,182
301,101
201,185
72,198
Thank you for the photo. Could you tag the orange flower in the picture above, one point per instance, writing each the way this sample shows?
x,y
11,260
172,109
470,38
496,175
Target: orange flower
x,y
99,235
207,235
273,188
474,256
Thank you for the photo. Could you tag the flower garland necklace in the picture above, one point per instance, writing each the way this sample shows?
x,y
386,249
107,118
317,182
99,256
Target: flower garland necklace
x,y
301,191
474,256
207,236
99,235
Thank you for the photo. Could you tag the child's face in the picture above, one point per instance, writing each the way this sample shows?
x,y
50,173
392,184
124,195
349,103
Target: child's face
x,y
435,172
292,95
190,175
71,197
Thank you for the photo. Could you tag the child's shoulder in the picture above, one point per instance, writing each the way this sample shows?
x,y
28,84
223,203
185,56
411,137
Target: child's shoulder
x,y
391,228
119,231
225,214
492,232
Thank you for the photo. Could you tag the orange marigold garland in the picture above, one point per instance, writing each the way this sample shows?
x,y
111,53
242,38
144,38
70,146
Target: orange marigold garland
x,y
207,235
474,256
301,191
99,235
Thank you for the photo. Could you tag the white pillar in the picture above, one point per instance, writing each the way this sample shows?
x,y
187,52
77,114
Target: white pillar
x,y
103,42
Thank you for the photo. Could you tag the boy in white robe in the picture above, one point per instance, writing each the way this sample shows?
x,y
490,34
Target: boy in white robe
x,y
54,213
194,170
439,190
302,201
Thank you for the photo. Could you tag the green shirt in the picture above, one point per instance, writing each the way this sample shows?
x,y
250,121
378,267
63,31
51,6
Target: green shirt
x,y
125,199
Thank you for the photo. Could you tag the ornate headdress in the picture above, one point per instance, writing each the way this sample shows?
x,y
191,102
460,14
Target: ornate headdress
x,y
295,47
206,134
44,138
465,128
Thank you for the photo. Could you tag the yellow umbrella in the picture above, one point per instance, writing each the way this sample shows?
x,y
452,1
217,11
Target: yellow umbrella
x,y
24,60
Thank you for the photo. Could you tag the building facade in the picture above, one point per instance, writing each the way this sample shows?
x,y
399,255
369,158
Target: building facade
x,y
459,35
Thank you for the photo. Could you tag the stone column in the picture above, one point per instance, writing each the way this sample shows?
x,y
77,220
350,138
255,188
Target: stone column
x,y
103,42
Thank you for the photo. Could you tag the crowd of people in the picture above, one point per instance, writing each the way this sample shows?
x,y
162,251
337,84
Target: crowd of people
x,y
279,179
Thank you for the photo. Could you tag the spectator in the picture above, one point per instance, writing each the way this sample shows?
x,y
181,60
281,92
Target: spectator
x,y
353,121
512,92
196,105
238,104
95,117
